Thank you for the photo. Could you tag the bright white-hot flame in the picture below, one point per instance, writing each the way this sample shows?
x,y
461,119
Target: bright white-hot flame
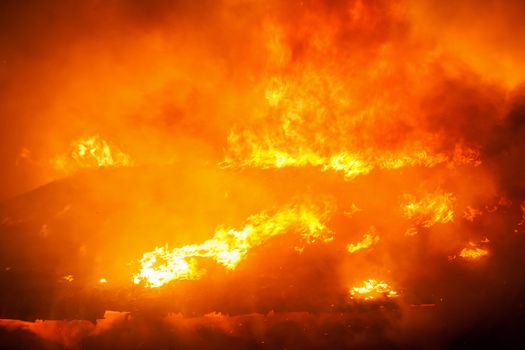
x,y
351,164
229,246
372,289
96,151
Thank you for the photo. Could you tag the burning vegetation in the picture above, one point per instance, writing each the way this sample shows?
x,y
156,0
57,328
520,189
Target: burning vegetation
x,y
229,246
262,174
371,289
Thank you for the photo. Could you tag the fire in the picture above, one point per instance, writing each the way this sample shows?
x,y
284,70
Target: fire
x,y
68,278
93,152
309,117
471,213
473,252
148,148
433,208
249,153
370,238
372,289
229,246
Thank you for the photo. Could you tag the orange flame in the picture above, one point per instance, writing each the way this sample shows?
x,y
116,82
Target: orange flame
x,y
351,164
304,128
473,252
370,238
92,152
431,209
372,289
471,213
229,246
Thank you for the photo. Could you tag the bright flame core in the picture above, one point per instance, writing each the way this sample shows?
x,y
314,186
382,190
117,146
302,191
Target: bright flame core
x,y
473,252
246,153
371,289
229,246
309,117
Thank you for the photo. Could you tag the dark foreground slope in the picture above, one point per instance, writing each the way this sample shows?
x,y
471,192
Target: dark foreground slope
x,y
58,241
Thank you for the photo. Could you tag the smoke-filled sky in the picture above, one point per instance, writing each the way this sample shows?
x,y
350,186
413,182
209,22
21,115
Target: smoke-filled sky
x,y
165,79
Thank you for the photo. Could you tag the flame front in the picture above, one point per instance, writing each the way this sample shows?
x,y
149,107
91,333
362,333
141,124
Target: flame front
x,y
229,246
269,152
309,117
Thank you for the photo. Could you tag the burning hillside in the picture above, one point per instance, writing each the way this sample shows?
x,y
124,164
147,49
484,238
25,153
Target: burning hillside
x,y
262,174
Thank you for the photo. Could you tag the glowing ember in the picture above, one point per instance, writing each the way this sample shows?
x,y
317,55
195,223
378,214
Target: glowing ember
x,y
229,246
370,238
522,207
372,289
68,278
431,209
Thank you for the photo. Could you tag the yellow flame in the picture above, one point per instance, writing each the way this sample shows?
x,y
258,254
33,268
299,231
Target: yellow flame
x,y
351,164
92,152
229,246
371,289
309,117
96,151
473,252
431,209
370,238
